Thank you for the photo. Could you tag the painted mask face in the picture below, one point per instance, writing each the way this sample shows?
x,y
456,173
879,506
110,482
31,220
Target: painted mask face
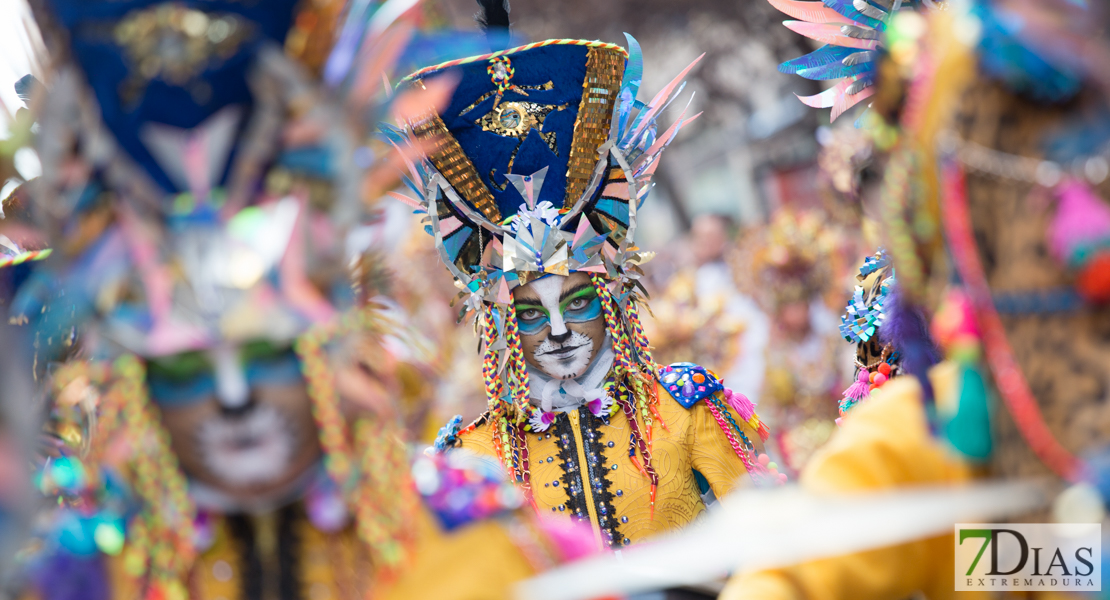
x,y
561,324
239,417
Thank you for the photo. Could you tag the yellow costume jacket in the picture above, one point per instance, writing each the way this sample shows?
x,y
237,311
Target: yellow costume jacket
x,y
581,466
482,559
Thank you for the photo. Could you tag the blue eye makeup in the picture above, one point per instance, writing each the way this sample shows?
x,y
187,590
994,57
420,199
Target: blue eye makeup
x,y
582,308
179,392
189,378
283,369
531,318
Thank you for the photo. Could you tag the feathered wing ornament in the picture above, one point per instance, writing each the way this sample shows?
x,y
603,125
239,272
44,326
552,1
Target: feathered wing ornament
x,y
852,31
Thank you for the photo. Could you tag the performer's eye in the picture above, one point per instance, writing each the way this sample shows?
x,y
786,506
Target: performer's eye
x,y
530,314
578,303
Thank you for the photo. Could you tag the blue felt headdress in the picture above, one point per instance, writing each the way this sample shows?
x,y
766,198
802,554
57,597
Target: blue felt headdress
x,y
173,64
538,163
176,112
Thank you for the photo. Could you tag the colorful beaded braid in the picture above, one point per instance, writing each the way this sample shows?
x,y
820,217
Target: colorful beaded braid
x,y
381,490
643,349
519,374
495,390
387,500
159,548
630,378
509,438
716,410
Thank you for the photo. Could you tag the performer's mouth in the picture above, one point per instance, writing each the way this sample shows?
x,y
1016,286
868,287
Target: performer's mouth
x,y
565,352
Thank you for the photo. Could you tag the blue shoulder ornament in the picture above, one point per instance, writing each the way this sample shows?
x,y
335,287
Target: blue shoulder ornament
x,y
689,383
448,436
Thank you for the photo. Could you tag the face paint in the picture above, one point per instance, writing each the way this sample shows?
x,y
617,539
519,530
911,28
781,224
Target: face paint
x,y
190,377
252,450
561,325
231,382
239,418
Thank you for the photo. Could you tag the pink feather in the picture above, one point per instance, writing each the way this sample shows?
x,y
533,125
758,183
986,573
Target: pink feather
x,y
812,12
659,101
406,200
829,33
836,98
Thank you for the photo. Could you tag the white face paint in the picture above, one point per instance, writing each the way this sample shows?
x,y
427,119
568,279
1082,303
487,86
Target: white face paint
x,y
232,390
250,449
570,357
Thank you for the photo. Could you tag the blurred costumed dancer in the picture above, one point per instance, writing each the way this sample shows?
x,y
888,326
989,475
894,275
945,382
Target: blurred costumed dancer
x,y
532,176
218,428
1005,132
700,315
791,271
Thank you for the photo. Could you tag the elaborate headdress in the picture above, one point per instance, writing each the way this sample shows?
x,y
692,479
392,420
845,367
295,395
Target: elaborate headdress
x,y
891,335
791,259
188,213
538,165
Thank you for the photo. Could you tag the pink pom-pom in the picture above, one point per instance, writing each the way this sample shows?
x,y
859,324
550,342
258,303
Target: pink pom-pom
x,y
859,390
879,379
764,459
1082,222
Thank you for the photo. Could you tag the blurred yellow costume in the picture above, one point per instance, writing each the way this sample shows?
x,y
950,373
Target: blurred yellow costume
x,y
883,443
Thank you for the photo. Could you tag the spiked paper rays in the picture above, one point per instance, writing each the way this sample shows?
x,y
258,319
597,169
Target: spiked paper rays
x,y
852,31
590,231
867,311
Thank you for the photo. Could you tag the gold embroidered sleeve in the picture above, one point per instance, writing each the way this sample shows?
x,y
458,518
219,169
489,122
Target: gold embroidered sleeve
x,y
479,440
712,454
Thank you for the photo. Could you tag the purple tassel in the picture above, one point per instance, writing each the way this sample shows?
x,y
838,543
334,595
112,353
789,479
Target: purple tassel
x,y
65,576
907,330
740,403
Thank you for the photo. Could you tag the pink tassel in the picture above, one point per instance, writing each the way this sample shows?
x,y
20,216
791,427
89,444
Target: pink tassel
x,y
860,389
740,403
1082,223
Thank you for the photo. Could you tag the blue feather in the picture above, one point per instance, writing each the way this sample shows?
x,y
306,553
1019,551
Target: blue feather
x,y
820,57
633,75
845,8
412,186
835,71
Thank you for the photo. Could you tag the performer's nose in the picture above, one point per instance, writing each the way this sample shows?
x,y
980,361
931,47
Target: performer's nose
x,y
560,338
232,389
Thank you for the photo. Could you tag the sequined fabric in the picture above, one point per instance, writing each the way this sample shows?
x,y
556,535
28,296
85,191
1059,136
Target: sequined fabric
x,y
604,69
450,160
